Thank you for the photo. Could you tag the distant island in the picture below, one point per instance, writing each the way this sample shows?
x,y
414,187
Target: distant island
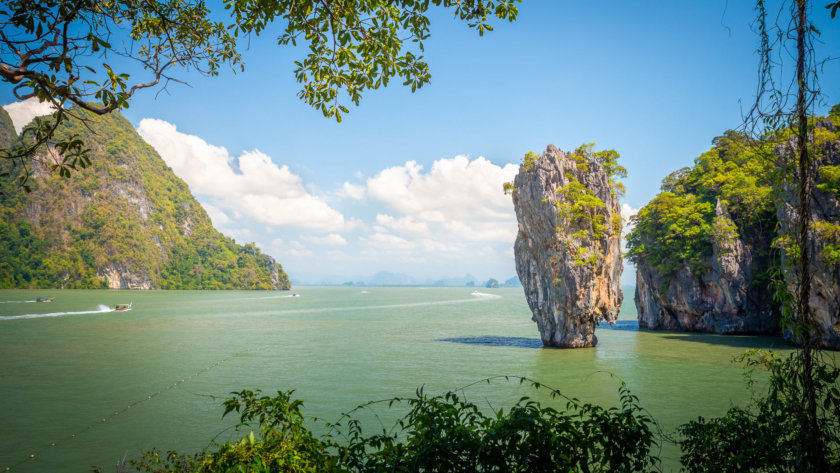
x,y
387,278
124,222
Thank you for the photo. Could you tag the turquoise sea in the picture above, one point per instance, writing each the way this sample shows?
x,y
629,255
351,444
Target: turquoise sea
x,y
71,368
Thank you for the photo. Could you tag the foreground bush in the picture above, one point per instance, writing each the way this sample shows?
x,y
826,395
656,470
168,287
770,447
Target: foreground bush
x,y
444,433
766,436
447,433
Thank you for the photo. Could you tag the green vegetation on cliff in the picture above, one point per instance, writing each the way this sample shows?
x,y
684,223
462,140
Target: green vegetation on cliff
x,y
580,208
679,226
126,221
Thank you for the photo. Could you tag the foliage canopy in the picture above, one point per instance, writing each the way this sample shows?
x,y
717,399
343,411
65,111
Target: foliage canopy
x,y
80,54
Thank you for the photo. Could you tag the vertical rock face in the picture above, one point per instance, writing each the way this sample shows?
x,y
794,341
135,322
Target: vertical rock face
x,y
568,254
824,239
120,277
722,299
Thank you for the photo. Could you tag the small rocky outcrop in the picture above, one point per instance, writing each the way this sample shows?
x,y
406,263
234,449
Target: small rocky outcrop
x,y
568,254
824,239
722,299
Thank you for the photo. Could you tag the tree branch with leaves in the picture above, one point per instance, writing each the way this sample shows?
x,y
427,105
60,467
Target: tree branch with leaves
x,y
73,53
66,53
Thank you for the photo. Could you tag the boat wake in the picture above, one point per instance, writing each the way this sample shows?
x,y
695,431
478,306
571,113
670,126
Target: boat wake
x,y
100,310
484,294
15,302
375,307
285,296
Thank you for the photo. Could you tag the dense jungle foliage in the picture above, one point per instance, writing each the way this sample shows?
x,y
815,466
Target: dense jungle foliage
x,y
680,227
127,212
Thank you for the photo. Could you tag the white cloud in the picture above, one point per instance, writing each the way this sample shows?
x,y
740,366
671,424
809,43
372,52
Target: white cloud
x,y
627,212
451,217
483,231
333,239
295,248
217,216
260,189
404,224
241,234
352,191
389,242
458,199
23,112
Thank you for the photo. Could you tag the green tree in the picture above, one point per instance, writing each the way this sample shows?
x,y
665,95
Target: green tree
x,y
73,53
783,102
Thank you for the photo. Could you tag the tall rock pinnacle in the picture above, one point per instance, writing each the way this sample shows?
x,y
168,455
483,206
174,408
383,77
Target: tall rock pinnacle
x,y
568,252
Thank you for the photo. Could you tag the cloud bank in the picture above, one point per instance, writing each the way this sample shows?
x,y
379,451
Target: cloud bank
x,y
457,202
24,112
250,185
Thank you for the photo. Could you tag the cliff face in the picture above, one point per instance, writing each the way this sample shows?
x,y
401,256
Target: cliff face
x,y
568,254
824,239
125,222
713,248
7,129
723,298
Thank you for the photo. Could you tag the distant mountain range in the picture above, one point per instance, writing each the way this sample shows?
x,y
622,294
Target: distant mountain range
x,y
386,278
125,222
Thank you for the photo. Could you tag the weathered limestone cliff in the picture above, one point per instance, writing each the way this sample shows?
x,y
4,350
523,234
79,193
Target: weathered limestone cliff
x,y
568,253
723,298
118,276
713,250
824,239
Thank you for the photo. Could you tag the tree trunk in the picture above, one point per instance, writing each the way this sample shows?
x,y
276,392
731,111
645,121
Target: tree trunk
x,y
814,457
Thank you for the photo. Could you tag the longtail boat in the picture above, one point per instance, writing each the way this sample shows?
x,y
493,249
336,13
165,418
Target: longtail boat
x,y
44,299
122,307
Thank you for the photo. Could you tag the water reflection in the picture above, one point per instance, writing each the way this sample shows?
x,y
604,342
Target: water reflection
x,y
734,341
489,340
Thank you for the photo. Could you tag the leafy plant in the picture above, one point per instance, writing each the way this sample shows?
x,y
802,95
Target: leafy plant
x,y
440,433
764,437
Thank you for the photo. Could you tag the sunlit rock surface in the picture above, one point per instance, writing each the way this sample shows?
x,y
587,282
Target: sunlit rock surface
x,y
568,297
722,299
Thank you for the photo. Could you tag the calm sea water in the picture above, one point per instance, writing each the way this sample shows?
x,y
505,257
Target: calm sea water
x,y
69,370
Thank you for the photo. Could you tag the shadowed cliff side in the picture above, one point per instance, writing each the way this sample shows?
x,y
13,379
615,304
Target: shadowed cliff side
x,y
824,238
568,253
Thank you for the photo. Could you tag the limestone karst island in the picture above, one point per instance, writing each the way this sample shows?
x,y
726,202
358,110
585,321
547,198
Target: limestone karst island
x,y
305,236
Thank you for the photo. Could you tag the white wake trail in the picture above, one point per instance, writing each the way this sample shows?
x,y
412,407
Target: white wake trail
x,y
100,310
375,307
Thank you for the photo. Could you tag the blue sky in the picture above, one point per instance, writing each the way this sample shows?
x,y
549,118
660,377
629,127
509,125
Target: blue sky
x,y
410,183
